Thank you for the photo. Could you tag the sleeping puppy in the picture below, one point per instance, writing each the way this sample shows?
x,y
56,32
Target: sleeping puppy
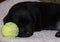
x,y
34,16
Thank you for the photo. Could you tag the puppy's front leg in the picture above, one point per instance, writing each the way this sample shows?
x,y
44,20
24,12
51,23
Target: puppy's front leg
x,y
25,28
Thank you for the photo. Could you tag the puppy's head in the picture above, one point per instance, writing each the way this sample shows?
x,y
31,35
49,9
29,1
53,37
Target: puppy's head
x,y
23,14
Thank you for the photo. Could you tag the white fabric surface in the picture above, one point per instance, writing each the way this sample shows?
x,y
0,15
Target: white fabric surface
x,y
42,36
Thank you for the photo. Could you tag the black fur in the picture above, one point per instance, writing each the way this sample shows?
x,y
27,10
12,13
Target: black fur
x,y
34,16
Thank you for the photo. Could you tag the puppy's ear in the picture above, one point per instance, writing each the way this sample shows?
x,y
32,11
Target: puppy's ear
x,y
1,1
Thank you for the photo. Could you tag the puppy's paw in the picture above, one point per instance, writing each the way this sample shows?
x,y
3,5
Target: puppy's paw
x,y
57,34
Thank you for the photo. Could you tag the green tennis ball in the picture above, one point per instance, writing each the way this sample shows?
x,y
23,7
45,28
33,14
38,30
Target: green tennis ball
x,y
10,30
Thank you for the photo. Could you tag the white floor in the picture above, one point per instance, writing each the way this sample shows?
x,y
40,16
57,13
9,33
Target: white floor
x,y
42,36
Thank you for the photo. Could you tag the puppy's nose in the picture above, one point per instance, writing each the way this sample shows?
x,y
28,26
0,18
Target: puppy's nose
x,y
27,34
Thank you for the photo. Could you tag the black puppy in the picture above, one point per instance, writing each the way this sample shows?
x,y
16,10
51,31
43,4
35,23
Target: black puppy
x,y
34,16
